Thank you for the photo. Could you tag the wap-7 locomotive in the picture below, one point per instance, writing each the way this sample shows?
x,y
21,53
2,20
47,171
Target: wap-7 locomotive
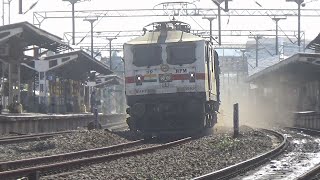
x,y
172,80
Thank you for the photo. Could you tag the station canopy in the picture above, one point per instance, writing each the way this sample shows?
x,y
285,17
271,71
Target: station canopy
x,y
315,44
293,70
75,65
109,80
19,37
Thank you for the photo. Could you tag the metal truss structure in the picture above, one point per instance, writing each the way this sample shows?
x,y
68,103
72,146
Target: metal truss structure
x,y
40,16
101,47
203,33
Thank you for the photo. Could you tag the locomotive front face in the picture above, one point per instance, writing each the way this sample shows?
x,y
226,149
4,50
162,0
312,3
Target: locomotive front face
x,y
164,68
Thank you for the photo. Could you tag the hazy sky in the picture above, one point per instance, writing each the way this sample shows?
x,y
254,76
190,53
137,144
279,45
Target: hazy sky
x,y
59,26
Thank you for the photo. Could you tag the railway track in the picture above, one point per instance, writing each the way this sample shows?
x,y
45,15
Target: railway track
x,y
301,155
44,165
313,173
244,166
32,137
42,136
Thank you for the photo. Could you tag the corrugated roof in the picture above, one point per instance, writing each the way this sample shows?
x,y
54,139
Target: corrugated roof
x,y
34,36
307,58
77,68
315,43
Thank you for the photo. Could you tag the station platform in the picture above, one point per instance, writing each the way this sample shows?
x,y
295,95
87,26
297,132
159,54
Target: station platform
x,y
25,123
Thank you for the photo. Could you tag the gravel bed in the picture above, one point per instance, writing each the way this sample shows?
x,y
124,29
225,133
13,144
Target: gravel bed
x,y
185,161
64,143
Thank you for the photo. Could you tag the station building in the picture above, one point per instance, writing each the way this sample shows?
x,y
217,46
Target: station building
x,y
290,89
55,83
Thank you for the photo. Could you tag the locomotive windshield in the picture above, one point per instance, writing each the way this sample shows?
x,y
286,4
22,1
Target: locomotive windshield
x,y
179,54
147,55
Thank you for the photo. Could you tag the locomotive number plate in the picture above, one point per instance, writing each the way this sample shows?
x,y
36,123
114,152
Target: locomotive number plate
x,y
165,85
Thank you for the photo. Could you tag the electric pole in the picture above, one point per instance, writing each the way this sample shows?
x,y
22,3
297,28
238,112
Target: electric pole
x,y
73,20
299,3
91,21
218,3
277,19
256,37
210,21
110,52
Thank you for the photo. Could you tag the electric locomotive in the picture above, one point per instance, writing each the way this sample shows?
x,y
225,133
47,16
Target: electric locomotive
x,y
171,80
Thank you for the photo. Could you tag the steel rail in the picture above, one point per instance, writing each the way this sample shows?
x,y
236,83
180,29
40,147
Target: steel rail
x,y
310,174
74,163
236,169
307,131
315,170
22,138
61,157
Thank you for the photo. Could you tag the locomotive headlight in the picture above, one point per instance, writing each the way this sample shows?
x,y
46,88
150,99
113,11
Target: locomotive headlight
x,y
138,80
192,77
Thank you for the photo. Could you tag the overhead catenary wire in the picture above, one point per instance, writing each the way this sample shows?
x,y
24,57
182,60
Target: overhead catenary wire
x,y
32,6
274,22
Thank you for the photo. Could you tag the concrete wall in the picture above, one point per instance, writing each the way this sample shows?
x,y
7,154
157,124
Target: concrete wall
x,y
47,123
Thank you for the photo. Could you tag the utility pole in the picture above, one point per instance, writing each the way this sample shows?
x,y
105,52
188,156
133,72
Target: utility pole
x,y
299,3
218,3
256,37
20,6
210,21
91,21
73,20
9,11
110,52
277,19
243,59
3,12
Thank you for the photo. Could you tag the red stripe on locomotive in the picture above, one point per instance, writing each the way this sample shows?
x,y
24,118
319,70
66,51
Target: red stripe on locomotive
x,y
130,79
199,76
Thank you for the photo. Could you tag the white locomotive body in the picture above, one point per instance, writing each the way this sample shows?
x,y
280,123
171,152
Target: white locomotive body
x,y
172,80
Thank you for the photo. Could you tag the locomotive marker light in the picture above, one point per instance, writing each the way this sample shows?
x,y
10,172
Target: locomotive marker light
x,y
138,80
192,77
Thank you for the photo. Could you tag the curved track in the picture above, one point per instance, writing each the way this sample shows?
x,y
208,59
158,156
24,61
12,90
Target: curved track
x,y
43,169
239,168
315,171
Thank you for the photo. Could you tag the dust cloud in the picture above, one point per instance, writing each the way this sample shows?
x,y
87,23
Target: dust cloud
x,y
258,107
